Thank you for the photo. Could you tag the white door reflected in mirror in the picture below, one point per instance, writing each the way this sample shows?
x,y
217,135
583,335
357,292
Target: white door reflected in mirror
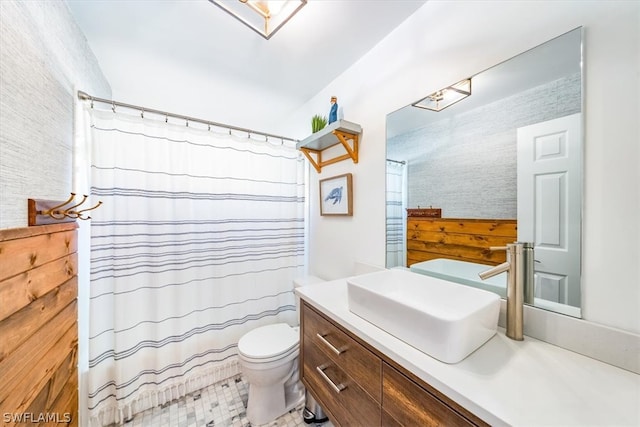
x,y
550,204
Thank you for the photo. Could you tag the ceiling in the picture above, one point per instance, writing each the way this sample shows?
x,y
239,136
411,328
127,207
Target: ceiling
x,y
321,41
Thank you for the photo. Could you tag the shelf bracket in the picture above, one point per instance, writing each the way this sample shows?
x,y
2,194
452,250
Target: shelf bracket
x,y
343,133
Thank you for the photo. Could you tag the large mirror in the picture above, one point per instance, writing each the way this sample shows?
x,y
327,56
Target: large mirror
x,y
507,157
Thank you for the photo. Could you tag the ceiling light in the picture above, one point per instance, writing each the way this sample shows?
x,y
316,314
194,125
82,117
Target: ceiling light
x,y
446,97
263,16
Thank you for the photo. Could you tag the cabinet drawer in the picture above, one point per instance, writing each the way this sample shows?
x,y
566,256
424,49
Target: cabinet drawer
x,y
345,399
409,404
388,420
344,351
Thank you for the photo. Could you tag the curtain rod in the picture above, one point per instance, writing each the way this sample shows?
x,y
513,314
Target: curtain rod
x,y
86,97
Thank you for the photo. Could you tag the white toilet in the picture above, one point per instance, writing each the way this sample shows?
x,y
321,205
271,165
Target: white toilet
x,y
269,362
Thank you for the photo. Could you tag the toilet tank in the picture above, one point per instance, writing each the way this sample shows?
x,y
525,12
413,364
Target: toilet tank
x,y
299,282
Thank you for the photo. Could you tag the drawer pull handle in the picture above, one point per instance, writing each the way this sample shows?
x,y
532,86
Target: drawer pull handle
x,y
338,388
328,344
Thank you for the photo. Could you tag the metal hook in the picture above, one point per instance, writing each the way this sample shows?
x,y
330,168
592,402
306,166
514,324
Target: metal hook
x,y
78,214
166,118
113,106
142,114
209,127
53,212
187,123
70,212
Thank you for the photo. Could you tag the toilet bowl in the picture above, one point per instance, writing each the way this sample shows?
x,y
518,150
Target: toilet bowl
x,y
269,362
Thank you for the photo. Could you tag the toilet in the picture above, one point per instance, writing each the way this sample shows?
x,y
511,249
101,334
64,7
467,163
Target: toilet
x,y
269,362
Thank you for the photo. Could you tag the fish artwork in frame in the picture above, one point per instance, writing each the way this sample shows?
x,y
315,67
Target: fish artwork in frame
x,y
336,196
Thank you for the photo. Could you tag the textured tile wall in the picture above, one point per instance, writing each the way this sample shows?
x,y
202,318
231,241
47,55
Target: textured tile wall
x,y
466,165
44,60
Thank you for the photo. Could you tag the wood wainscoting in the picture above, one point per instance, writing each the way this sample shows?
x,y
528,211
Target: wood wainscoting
x,y
460,239
38,325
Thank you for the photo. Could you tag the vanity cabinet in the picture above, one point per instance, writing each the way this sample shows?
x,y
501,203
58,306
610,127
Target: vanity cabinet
x,y
358,386
345,377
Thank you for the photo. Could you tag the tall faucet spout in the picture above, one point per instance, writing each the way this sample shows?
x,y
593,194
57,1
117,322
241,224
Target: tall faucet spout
x,y
500,268
519,277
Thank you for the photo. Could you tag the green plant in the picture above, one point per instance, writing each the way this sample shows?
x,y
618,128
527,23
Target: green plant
x,y
318,123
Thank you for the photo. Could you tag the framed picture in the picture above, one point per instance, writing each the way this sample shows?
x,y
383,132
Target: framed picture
x,y
336,195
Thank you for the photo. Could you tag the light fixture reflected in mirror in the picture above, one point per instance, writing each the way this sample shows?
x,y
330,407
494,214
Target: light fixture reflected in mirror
x,y
263,16
446,97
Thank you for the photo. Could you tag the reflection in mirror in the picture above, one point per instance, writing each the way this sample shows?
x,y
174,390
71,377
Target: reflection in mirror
x,y
503,164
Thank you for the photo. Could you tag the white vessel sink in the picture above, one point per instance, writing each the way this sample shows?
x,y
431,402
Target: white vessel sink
x,y
445,320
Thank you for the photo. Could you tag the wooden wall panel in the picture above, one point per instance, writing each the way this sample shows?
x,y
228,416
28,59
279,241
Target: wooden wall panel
x,y
19,291
27,250
38,325
459,239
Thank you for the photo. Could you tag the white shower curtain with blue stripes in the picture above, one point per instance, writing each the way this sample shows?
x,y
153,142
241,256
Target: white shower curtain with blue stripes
x,y
396,221
197,241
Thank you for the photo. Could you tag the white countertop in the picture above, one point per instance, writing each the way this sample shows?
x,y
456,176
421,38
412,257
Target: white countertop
x,y
505,382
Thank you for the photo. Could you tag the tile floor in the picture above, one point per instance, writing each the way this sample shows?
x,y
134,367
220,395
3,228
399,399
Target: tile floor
x,y
220,405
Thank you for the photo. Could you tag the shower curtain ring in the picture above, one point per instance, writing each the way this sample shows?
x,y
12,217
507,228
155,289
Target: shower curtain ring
x,y
113,106
142,114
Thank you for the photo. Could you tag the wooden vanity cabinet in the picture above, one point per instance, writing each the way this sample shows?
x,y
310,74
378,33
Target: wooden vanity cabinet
x,y
342,374
409,404
358,386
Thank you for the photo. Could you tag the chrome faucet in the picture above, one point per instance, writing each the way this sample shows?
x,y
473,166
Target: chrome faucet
x,y
519,268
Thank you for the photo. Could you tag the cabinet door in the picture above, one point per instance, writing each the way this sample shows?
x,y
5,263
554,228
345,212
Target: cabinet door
x,y
361,365
410,405
345,399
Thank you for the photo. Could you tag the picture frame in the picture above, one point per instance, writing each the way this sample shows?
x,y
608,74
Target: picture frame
x,y
336,196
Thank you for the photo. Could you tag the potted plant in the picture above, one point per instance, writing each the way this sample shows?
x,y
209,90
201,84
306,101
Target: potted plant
x,y
318,123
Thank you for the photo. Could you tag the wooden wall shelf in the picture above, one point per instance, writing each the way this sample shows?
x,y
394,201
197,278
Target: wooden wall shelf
x,y
340,132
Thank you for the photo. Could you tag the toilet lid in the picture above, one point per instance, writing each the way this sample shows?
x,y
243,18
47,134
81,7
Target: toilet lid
x,y
268,341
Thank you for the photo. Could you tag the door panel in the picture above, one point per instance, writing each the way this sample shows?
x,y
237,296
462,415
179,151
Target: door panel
x,y
549,205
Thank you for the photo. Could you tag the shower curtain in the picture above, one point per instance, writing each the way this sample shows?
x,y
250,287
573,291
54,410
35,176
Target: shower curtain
x,y
396,214
197,241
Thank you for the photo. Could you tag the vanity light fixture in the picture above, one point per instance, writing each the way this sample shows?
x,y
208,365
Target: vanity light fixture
x,y
265,17
446,97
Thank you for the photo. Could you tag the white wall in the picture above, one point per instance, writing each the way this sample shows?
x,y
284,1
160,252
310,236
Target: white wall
x,y
444,42
44,59
185,89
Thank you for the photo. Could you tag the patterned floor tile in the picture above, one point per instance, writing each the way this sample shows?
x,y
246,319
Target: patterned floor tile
x,y
219,405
